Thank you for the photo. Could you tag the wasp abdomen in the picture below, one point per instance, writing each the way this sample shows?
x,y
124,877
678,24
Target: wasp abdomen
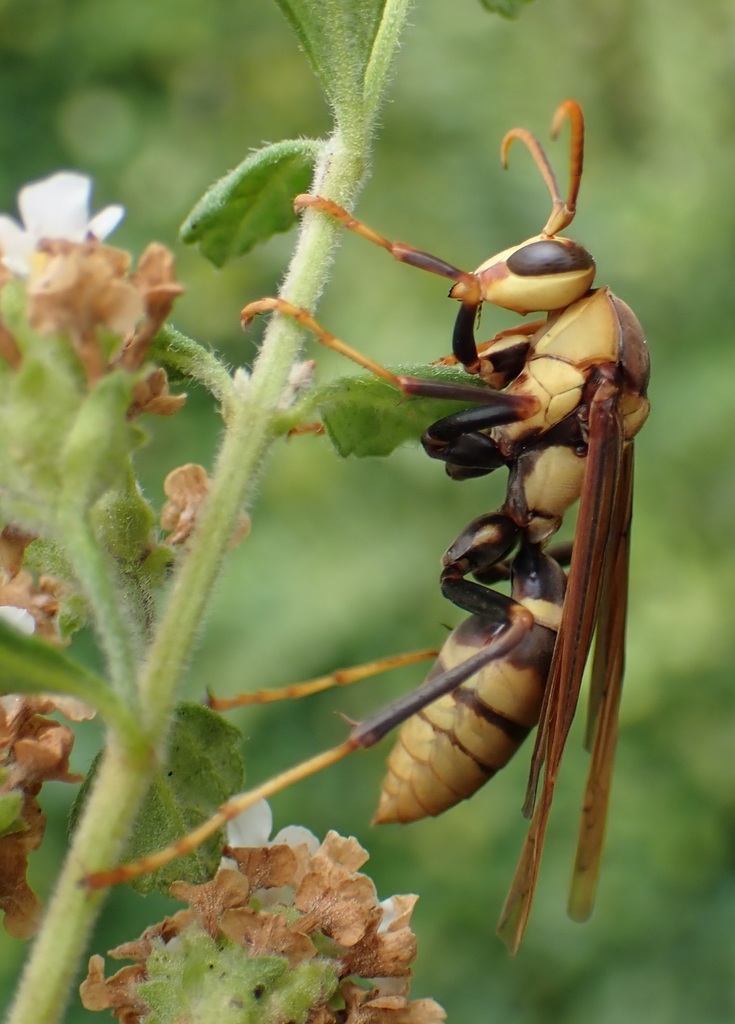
x,y
451,748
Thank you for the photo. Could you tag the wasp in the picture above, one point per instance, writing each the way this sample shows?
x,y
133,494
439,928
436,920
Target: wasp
x,y
558,402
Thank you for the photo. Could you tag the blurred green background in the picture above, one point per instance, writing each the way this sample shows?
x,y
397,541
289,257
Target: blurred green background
x,y
156,100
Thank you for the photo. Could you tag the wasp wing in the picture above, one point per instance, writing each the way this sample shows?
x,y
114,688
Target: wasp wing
x,y
581,606
605,691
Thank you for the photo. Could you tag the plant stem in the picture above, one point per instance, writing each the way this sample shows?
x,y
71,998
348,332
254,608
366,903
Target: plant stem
x,y
120,785
124,774
122,780
248,436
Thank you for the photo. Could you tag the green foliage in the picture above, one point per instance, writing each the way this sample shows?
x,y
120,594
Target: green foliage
x,y
252,202
365,416
338,37
31,665
200,981
203,768
343,555
508,8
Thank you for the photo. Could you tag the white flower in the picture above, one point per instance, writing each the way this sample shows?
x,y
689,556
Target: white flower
x,y
19,618
253,828
55,207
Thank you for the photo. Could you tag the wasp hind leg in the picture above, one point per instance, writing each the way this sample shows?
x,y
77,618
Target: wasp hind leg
x,y
340,677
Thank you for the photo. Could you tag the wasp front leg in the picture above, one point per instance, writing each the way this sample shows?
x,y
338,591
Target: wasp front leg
x,y
503,356
500,407
468,288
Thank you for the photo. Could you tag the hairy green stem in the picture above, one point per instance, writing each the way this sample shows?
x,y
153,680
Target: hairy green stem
x,y
248,436
122,780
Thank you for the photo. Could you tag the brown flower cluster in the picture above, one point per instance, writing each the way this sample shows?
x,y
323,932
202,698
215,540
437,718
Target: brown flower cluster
x,y
18,589
33,750
86,291
288,902
186,488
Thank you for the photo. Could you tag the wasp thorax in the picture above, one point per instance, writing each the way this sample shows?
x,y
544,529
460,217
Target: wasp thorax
x,y
540,275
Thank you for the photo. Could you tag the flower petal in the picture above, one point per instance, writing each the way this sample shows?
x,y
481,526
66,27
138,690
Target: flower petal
x,y
18,618
252,827
57,206
296,835
16,245
105,222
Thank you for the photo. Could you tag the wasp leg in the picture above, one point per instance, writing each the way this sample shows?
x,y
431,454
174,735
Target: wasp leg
x,y
467,288
505,624
479,549
510,628
499,360
399,250
505,408
460,439
341,677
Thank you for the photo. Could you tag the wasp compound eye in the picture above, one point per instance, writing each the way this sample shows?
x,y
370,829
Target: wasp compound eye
x,y
549,256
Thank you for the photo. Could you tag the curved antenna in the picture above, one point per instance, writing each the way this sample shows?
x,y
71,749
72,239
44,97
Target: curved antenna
x,y
569,109
562,210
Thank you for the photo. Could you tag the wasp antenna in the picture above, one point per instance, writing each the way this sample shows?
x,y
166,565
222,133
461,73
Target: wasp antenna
x,y
563,215
542,162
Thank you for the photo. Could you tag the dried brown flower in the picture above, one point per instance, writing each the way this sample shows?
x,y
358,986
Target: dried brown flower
x,y
13,544
374,1008
186,488
76,288
116,993
156,283
33,750
333,897
325,909
40,599
151,395
79,287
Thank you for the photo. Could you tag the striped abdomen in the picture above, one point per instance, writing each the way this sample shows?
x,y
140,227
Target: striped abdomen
x,y
454,745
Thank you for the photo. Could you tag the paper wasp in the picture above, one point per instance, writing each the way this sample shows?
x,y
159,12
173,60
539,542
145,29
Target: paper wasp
x,y
560,402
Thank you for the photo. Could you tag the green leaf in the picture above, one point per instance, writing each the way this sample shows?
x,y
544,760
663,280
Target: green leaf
x,y
31,665
252,202
203,768
337,37
506,8
197,980
366,416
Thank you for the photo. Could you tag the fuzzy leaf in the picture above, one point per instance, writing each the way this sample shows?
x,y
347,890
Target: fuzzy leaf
x,y
337,37
30,665
203,768
506,8
252,202
197,981
365,416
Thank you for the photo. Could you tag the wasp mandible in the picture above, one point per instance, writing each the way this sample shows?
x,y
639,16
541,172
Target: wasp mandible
x,y
559,403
